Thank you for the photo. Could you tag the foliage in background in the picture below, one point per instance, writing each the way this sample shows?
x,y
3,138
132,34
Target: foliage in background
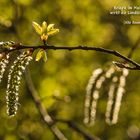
x,y
61,81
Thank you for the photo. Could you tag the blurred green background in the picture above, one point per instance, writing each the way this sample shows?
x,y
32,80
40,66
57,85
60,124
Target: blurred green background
x,y
62,80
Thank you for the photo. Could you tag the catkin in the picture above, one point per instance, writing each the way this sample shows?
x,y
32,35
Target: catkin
x,y
14,79
111,98
3,63
6,45
116,84
90,95
119,95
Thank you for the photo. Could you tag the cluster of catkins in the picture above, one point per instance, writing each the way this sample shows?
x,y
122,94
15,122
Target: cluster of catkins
x,y
15,73
116,80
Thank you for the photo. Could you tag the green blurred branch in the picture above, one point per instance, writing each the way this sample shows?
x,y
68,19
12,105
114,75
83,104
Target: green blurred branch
x,y
76,128
135,46
136,66
42,110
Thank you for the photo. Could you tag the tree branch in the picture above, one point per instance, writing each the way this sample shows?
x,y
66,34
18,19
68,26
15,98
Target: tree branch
x,y
135,46
43,112
87,48
76,128
131,52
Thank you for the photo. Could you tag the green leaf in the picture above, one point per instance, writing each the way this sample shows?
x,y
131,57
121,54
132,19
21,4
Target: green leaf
x,y
39,54
52,32
37,28
35,53
44,27
50,27
44,57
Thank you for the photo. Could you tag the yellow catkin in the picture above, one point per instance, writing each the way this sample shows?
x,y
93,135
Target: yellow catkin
x,y
14,79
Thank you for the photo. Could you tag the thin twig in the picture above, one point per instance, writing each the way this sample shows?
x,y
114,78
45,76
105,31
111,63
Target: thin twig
x,y
87,48
79,130
131,52
135,46
43,112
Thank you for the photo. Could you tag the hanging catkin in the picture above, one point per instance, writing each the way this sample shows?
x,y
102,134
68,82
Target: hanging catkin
x,y
89,93
14,79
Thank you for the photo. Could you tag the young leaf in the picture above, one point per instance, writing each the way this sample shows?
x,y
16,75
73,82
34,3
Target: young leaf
x,y
44,31
35,53
44,56
39,54
50,27
44,27
52,32
37,28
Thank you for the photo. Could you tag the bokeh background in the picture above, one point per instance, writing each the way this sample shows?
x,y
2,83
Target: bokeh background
x,y
62,80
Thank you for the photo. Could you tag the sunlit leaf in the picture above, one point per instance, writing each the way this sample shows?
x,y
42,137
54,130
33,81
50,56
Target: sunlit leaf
x,y
44,27
35,53
44,56
52,32
39,54
50,27
37,28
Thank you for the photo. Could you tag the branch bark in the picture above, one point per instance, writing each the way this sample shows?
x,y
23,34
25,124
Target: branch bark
x,y
135,46
136,66
79,130
43,112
